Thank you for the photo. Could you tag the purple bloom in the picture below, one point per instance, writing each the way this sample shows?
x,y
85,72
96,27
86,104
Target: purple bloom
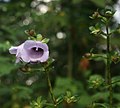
x,y
31,51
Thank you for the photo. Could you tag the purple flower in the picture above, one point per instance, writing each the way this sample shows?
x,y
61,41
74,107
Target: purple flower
x,y
31,51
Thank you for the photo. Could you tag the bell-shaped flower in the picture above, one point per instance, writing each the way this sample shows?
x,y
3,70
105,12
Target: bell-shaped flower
x,y
31,51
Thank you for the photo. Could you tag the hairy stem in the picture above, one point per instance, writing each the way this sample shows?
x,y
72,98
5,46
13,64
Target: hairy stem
x,y
108,71
51,90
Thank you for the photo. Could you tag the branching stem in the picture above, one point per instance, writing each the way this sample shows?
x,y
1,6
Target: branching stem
x,y
51,90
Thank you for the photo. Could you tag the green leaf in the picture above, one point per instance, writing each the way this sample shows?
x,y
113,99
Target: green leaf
x,y
64,84
91,28
5,46
45,40
100,96
22,92
116,96
39,103
60,99
85,99
116,80
39,37
70,98
98,57
100,105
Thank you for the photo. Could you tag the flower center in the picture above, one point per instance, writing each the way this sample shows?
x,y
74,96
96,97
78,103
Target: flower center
x,y
36,52
36,49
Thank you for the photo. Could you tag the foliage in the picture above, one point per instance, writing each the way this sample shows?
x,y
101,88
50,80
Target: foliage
x,y
65,23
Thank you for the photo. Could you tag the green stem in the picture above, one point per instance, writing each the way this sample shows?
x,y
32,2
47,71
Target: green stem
x,y
108,71
51,90
112,83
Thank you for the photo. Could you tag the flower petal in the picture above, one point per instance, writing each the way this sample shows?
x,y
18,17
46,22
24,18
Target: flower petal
x,y
30,44
13,50
17,60
22,53
31,51
45,57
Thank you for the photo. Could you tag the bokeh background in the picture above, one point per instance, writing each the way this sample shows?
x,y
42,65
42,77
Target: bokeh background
x,y
66,23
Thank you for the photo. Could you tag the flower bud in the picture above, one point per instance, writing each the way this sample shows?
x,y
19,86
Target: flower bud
x,y
30,32
115,59
88,55
25,69
95,81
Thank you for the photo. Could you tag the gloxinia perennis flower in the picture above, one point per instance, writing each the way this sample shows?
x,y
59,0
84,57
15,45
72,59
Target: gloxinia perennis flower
x,y
31,51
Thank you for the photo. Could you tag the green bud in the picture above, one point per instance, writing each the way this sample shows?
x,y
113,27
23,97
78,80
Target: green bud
x,y
30,32
95,81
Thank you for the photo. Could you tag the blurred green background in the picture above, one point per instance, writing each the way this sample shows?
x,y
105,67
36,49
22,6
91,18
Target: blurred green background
x,y
66,23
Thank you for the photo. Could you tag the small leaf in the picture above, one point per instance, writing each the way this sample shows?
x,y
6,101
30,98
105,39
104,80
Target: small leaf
x,y
104,20
45,40
70,98
39,103
91,28
32,38
39,37
101,105
60,99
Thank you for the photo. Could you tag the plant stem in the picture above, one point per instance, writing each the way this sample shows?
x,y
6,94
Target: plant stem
x,y
51,90
108,71
113,83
